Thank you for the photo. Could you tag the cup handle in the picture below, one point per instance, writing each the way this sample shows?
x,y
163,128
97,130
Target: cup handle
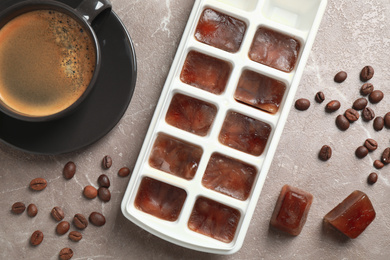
x,y
90,9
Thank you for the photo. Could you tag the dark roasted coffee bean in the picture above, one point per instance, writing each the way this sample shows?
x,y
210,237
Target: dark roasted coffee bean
x,y
379,122
372,178
106,162
302,104
90,192
80,221
371,144
104,181
361,152
62,227
32,210
367,73
386,156
320,97
378,164
376,96
387,120
124,172
368,114
66,253
325,153
69,170
36,238
18,208
57,213
75,236
342,122
366,89
332,106
97,219
340,76
104,194
352,115
38,184
360,104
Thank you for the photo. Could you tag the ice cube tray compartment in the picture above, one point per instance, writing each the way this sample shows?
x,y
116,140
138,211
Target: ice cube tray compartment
x,y
180,93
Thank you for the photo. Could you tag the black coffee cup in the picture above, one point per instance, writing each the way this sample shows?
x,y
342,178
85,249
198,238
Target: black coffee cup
x,y
39,82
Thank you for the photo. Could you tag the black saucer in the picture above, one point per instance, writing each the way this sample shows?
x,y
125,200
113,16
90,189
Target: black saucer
x,y
99,112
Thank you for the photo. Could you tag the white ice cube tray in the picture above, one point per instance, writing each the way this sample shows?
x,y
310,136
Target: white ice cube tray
x,y
299,19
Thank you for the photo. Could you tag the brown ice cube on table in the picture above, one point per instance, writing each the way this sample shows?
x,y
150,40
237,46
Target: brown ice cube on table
x,y
214,219
174,156
291,210
353,215
260,91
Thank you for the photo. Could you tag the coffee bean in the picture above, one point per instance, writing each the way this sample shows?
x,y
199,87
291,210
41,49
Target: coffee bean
x,y
360,104
387,120
351,114
38,184
368,114
57,213
90,192
69,170
75,236
325,153
361,152
106,162
97,219
66,253
379,122
367,73
36,238
62,227
376,96
371,144
104,194
124,172
342,122
332,106
302,104
319,97
386,156
80,221
104,181
32,210
340,76
18,208
366,89
378,164
372,178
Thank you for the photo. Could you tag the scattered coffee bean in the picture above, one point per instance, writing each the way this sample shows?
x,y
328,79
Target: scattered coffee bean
x,y
62,227
366,89
351,114
97,219
378,164
376,96
104,194
325,153
319,97
367,73
302,104
386,156
90,192
342,122
387,120
69,170
106,162
38,184
36,238
371,144
66,253
57,213
340,76
124,172
332,106
104,181
18,208
75,236
361,152
368,114
379,122
372,178
32,210
80,221
360,104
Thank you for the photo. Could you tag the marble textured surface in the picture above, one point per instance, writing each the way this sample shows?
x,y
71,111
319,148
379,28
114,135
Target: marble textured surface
x,y
352,34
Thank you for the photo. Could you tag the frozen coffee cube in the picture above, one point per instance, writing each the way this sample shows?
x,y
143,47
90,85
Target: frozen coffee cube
x,y
291,210
353,215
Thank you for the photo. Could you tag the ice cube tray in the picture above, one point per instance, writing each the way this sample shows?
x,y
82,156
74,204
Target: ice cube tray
x,y
210,143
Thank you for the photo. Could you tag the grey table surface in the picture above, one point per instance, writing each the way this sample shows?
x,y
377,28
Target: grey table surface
x,y
352,34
